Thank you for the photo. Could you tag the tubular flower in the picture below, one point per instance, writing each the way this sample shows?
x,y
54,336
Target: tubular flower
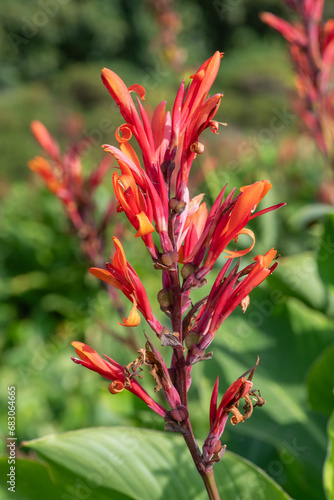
x,y
167,141
120,274
147,204
311,43
119,375
241,388
226,222
131,200
62,174
226,294
195,114
231,225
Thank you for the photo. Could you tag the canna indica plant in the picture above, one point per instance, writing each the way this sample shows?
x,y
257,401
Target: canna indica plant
x,y
311,44
190,238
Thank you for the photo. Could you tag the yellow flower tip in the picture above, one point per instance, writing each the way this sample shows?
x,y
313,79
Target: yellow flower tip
x,y
241,253
133,319
145,226
139,89
85,352
266,259
77,345
39,165
105,276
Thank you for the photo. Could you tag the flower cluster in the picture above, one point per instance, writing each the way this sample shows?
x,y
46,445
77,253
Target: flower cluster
x,y
189,241
311,43
62,174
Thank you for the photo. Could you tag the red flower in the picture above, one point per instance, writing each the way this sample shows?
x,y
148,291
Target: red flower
x,y
312,51
113,371
165,139
226,222
226,294
241,388
120,274
63,175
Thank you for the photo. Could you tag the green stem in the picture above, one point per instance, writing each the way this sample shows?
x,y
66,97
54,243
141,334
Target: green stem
x,y
210,484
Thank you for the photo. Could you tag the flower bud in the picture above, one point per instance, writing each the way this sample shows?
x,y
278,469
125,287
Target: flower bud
x,y
197,147
187,270
169,258
164,298
176,205
192,339
180,413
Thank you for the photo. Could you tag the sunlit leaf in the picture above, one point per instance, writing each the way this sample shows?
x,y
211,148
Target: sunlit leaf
x,y
146,464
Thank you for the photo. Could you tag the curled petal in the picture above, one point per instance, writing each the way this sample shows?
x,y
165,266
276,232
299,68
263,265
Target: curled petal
x,y
126,133
133,319
240,253
139,89
235,392
256,187
116,387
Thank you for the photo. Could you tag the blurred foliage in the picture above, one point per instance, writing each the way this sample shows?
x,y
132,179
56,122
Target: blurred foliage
x,y
47,297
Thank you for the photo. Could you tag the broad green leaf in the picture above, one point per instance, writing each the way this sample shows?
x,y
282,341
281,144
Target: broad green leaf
x,y
326,252
32,480
329,464
297,276
144,464
320,382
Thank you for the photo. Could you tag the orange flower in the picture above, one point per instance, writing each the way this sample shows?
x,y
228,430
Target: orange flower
x,y
120,274
226,294
132,202
111,370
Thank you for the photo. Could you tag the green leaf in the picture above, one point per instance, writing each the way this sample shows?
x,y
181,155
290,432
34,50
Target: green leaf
x,y
142,463
308,214
32,480
298,276
326,251
329,464
320,382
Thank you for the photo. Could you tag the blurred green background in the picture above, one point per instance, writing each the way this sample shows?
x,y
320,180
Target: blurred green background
x,y
51,57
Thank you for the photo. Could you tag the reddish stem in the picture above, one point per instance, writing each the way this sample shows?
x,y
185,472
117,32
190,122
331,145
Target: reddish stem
x,y
181,384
